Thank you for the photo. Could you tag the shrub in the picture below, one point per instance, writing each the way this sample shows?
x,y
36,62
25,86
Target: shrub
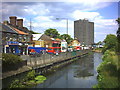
x,y
8,59
108,71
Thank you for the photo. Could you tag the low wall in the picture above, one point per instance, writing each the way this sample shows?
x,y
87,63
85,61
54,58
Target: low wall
x,y
39,61
47,59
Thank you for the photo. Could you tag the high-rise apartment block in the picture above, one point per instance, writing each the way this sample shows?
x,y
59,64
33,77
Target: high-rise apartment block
x,y
84,31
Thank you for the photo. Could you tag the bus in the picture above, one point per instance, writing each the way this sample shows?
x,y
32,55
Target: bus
x,y
34,50
63,46
53,50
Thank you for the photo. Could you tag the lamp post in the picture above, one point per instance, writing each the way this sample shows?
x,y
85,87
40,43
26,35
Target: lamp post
x,y
66,27
66,23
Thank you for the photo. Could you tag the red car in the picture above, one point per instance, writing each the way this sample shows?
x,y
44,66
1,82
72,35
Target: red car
x,y
77,47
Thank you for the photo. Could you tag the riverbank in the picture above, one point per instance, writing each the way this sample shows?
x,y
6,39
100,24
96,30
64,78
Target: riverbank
x,y
15,72
43,61
79,74
55,67
108,71
99,50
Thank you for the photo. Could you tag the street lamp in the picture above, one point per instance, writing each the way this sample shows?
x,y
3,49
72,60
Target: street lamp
x,y
66,23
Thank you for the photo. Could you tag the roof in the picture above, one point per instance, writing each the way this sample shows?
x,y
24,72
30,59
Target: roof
x,y
36,36
58,39
45,38
6,28
41,37
10,29
24,29
19,32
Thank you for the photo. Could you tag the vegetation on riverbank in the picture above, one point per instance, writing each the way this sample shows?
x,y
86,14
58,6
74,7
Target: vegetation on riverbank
x,y
109,69
97,50
30,80
11,62
10,59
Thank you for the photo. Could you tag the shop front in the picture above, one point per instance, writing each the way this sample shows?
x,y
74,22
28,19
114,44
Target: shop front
x,y
16,48
23,49
12,47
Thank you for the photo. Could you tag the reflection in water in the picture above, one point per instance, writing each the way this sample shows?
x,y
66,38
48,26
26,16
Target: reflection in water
x,y
85,67
80,74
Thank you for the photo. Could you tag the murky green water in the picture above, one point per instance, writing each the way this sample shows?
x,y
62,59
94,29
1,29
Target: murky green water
x,y
80,74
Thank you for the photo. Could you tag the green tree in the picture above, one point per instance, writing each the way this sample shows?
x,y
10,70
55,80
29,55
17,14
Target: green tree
x,y
52,33
32,32
110,42
100,42
66,37
118,31
118,35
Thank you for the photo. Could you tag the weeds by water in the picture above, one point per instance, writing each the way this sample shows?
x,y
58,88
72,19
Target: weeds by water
x,y
29,81
108,71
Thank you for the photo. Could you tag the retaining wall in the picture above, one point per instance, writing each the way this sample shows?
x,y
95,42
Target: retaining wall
x,y
47,59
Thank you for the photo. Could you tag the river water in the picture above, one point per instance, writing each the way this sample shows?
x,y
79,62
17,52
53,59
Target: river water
x,y
80,74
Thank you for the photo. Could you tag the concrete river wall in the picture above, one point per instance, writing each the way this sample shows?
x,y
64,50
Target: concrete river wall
x,y
43,60
37,61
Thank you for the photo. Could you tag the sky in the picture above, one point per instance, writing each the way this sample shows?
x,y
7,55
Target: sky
x,y
43,15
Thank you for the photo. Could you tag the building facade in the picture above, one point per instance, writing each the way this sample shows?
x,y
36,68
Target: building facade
x,y
14,39
42,40
84,31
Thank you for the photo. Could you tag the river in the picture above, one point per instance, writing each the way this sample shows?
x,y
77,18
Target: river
x,y
80,74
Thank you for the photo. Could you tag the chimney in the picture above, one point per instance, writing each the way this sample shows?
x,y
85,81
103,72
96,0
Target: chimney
x,y
20,23
13,20
5,22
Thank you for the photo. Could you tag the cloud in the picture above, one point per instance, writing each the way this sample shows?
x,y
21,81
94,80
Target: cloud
x,y
77,14
105,22
23,9
102,26
44,14
55,9
45,22
37,9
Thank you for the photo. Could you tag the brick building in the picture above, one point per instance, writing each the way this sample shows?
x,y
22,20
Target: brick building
x,y
15,37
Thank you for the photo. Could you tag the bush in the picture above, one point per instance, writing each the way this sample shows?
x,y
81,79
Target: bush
x,y
9,59
108,71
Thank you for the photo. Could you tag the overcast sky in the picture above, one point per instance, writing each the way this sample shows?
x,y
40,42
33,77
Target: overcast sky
x,y
43,15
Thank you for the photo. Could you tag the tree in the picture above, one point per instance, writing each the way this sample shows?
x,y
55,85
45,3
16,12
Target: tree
x,y
99,43
32,32
53,33
118,31
66,37
110,42
118,34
